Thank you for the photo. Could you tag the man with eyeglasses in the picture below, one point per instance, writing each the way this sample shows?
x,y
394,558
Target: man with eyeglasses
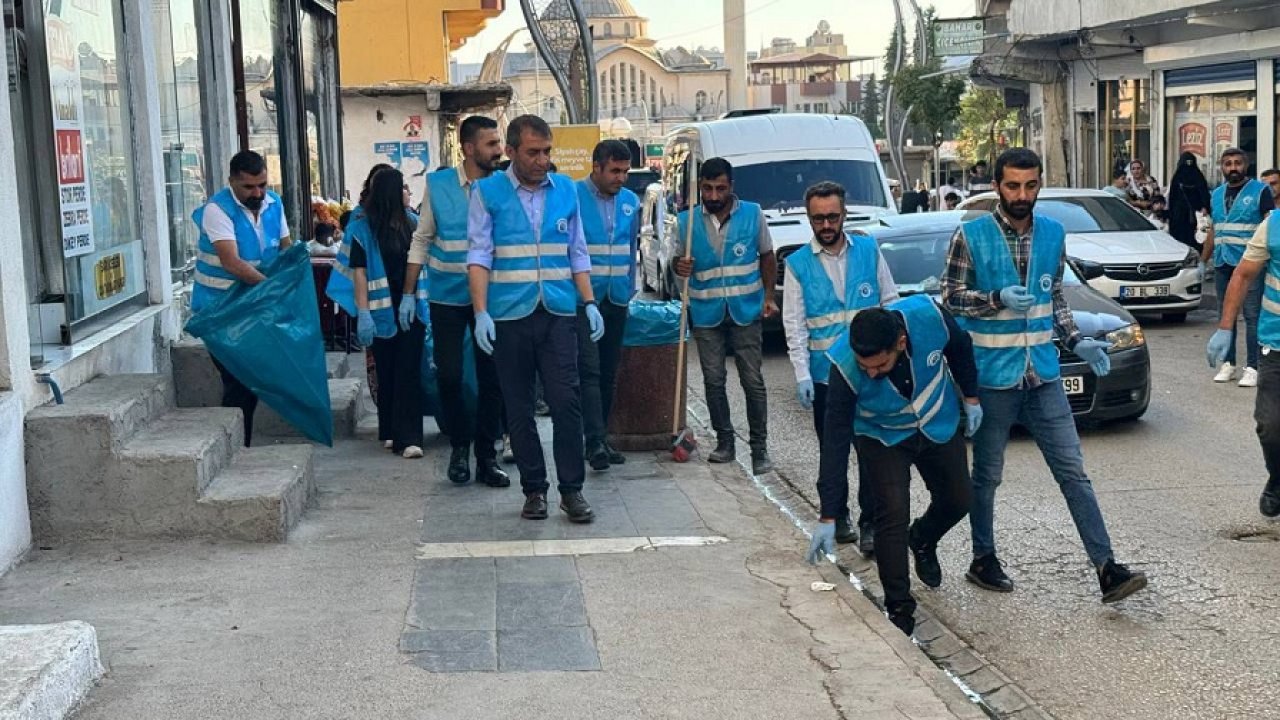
x,y
826,284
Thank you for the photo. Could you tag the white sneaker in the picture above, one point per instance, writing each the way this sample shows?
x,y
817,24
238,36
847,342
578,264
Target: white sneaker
x,y
1249,378
413,452
1225,373
508,455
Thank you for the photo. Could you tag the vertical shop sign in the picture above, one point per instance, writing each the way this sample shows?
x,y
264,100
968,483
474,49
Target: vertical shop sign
x,y
68,138
1224,135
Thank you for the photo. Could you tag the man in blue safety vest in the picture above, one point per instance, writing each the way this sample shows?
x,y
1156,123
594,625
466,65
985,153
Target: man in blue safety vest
x,y
242,227
1238,205
826,284
1004,283
731,274
894,380
529,272
440,243
611,223
1259,264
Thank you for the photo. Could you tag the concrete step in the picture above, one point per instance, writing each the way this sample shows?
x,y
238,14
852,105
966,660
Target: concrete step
x,y
198,384
343,403
262,495
95,420
46,670
341,365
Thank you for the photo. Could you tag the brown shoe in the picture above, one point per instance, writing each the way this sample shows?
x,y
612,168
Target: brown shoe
x,y
535,507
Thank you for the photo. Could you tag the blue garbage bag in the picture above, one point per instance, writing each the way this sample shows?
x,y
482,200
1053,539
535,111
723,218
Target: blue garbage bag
x,y
431,404
268,335
652,322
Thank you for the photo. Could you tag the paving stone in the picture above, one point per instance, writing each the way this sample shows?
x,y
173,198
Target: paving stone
x,y
455,662
541,605
547,649
963,663
533,570
984,680
1006,701
448,641
454,594
459,528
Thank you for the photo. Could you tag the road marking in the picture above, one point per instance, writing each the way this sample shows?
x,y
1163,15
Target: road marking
x,y
582,546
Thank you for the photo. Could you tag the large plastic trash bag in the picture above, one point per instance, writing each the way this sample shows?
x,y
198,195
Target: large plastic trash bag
x,y
652,322
431,404
268,336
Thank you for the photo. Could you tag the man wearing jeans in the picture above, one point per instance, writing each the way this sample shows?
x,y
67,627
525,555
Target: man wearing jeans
x,y
731,274
1004,282
1261,258
1238,206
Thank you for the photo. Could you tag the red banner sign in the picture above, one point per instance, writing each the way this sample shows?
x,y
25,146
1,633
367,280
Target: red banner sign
x,y
1192,138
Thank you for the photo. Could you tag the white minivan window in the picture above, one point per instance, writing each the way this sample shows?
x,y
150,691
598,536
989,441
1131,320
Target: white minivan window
x,y
780,185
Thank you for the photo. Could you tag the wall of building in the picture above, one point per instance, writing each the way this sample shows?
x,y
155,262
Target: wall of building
x,y
387,41
1041,18
372,120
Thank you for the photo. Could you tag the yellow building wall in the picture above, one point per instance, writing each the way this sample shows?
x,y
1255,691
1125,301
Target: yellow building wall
x,y
389,41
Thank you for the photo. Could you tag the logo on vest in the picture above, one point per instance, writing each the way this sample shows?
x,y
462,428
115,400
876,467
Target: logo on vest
x,y
627,210
1246,201
935,357
864,290
562,225
739,250
1046,282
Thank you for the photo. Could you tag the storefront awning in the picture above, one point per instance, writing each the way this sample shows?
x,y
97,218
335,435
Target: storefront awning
x,y
471,97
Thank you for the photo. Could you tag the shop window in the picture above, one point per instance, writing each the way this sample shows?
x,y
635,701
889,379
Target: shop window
x,y
318,84
258,39
1207,124
1125,135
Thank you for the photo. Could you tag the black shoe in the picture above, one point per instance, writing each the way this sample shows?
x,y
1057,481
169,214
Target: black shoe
x,y
845,533
597,457
460,466
488,472
577,508
724,452
1269,503
760,462
1118,582
535,507
866,540
540,407
615,457
905,623
926,556
986,573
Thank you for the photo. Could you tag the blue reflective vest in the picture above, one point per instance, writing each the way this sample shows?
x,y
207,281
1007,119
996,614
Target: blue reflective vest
x,y
825,314
447,256
728,280
1269,321
884,413
530,265
1005,342
612,256
341,285
211,280
1232,230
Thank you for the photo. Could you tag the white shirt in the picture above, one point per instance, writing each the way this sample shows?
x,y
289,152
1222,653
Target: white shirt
x,y
836,266
219,227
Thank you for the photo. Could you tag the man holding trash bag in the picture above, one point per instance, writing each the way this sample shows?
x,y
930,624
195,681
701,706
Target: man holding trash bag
x,y
242,227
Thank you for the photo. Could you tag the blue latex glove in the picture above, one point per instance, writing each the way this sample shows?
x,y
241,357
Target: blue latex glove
x,y
972,419
408,309
596,321
823,543
486,333
804,393
1219,346
1094,352
1016,298
364,328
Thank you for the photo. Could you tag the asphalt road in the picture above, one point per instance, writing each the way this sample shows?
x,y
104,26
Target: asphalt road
x,y
1177,488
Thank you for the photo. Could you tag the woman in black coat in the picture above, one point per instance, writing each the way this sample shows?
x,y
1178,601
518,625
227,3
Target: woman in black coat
x,y
1188,195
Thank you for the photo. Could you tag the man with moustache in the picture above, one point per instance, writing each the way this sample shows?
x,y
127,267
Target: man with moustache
x,y
826,284
440,243
1003,281
1238,207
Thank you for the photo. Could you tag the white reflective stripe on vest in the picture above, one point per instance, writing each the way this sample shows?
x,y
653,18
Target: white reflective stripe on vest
x,y
379,284
819,344
623,250
1235,227
725,292
611,270
1273,282
530,250
914,406
1230,240
1010,340
343,270
1270,305
436,263
1043,310
530,276
382,304
212,260
452,245
726,271
839,317
213,282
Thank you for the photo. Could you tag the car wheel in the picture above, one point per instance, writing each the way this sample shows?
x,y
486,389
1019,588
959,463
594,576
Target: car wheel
x,y
1179,317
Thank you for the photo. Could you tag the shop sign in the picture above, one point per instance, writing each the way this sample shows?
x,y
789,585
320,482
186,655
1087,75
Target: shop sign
x,y
1224,135
571,148
74,199
1191,138
959,36
110,276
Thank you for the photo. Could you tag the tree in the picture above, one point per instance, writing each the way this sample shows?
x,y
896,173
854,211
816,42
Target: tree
x,y
871,107
982,116
934,99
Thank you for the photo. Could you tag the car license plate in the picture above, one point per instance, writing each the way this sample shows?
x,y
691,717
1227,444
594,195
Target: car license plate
x,y
1073,385
1143,291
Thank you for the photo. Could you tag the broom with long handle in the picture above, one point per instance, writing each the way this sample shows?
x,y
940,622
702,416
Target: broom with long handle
x,y
683,441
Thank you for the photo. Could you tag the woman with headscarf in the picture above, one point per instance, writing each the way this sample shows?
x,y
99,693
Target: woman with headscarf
x,y
1188,196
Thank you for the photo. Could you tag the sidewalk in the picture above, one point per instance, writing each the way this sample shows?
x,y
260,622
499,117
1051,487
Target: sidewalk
x,y
403,596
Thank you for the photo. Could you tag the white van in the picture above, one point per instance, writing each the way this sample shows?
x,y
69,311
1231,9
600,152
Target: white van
x,y
775,158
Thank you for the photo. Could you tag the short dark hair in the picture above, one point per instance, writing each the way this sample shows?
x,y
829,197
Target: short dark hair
x,y
531,123
979,164
1119,173
715,167
472,126
607,151
1019,158
952,197
1270,171
247,162
824,189
1231,151
873,331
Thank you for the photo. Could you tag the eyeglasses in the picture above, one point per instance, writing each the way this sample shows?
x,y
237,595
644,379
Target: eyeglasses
x,y
829,219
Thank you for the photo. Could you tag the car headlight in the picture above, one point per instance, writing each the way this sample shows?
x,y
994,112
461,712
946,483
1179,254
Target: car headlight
x,y
1126,338
1191,260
